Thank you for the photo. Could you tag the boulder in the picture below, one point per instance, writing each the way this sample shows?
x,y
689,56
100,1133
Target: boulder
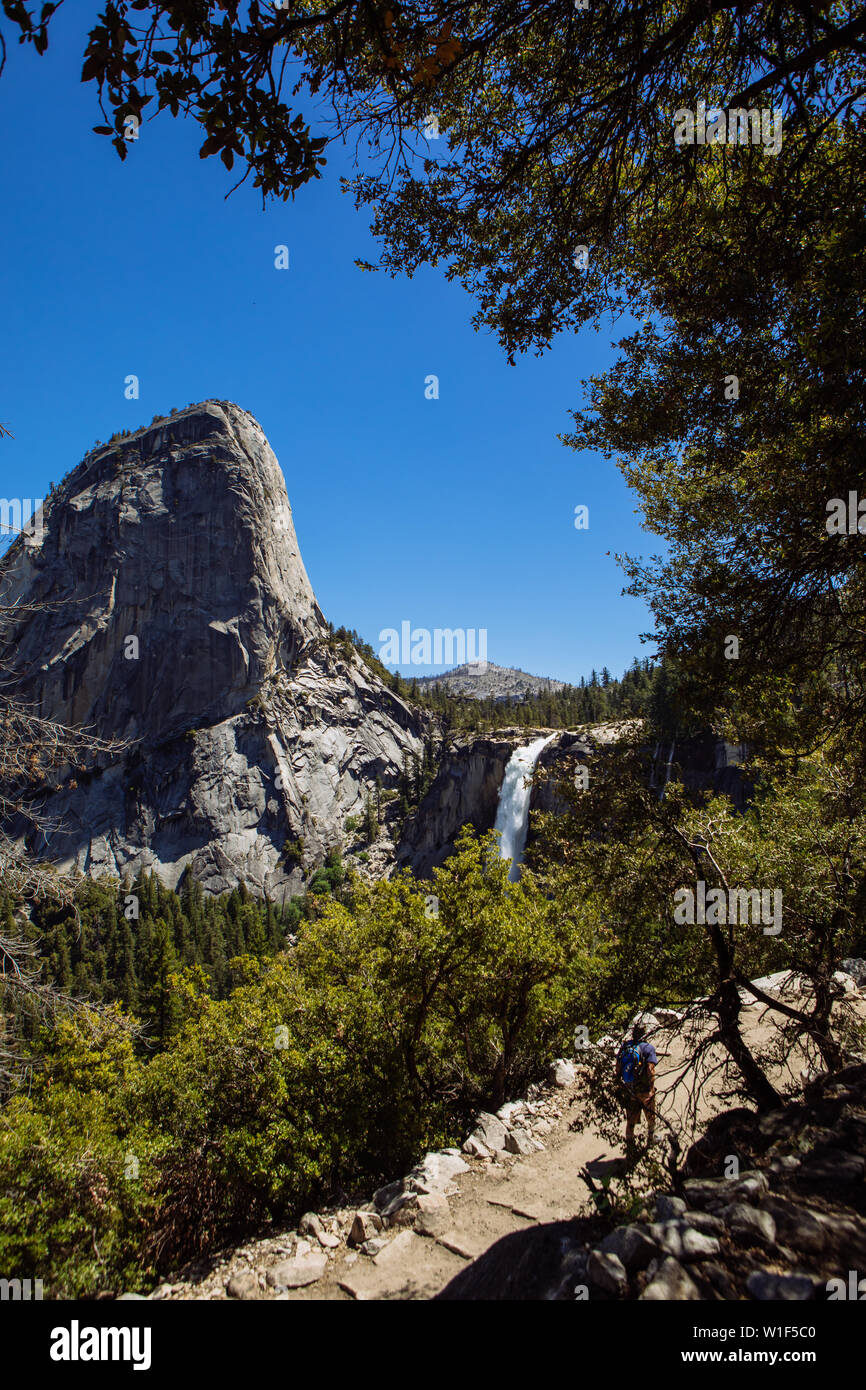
x,y
511,1110
365,1225
606,1272
632,1247
295,1273
562,1073
434,1215
649,1021
855,966
310,1225
749,1225
517,1141
668,1207
846,982
678,1239
490,1131
244,1285
476,1149
437,1171
668,1018
670,1283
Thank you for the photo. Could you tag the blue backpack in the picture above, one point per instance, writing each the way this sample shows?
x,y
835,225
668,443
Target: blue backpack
x,y
632,1064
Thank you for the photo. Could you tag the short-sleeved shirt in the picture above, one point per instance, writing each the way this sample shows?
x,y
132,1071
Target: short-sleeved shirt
x,y
647,1051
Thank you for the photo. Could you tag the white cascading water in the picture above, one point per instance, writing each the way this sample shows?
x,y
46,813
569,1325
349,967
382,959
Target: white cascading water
x,y
512,813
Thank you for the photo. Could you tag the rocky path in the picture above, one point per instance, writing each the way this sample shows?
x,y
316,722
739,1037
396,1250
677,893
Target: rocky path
x,y
417,1234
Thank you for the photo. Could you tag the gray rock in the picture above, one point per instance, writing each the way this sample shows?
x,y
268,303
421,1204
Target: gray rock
x,y
562,1073
490,1131
678,1239
763,1284
365,1226
750,1186
517,1141
705,1193
670,1283
855,966
373,1246
632,1247
437,1171
128,1297
512,1110
310,1225
244,1285
476,1149
434,1215
749,1224
304,1269
385,1195
668,1207
704,1221
606,1272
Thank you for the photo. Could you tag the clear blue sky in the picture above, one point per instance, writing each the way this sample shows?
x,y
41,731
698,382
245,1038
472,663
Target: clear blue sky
x,y
457,512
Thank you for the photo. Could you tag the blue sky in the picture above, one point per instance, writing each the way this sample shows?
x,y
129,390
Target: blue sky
x,y
456,512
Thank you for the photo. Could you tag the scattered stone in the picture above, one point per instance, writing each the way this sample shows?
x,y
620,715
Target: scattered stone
x,y
305,1268
365,1226
517,1141
607,1272
763,1284
437,1171
669,1017
310,1225
705,1222
386,1194
562,1073
476,1149
667,1207
434,1215
328,1241
855,966
750,1186
490,1131
670,1283
749,1224
846,982
373,1246
632,1246
678,1239
704,1193
650,1021
244,1285
399,1208
510,1111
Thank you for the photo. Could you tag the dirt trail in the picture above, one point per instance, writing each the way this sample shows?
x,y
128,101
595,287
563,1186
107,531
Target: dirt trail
x,y
490,1199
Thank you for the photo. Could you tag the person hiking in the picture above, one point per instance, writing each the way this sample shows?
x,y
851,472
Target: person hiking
x,y
636,1069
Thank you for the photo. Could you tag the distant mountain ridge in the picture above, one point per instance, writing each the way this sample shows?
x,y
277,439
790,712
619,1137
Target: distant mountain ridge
x,y
484,681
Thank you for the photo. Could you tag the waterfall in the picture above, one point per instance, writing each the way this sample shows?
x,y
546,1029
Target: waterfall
x,y
512,813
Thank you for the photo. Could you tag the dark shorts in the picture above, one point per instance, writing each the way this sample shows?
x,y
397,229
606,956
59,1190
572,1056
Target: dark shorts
x,y
637,1104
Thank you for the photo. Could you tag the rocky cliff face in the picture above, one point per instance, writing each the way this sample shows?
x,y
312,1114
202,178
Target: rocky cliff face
x,y
173,611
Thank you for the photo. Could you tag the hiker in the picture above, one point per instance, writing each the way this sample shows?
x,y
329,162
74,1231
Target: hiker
x,y
636,1069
